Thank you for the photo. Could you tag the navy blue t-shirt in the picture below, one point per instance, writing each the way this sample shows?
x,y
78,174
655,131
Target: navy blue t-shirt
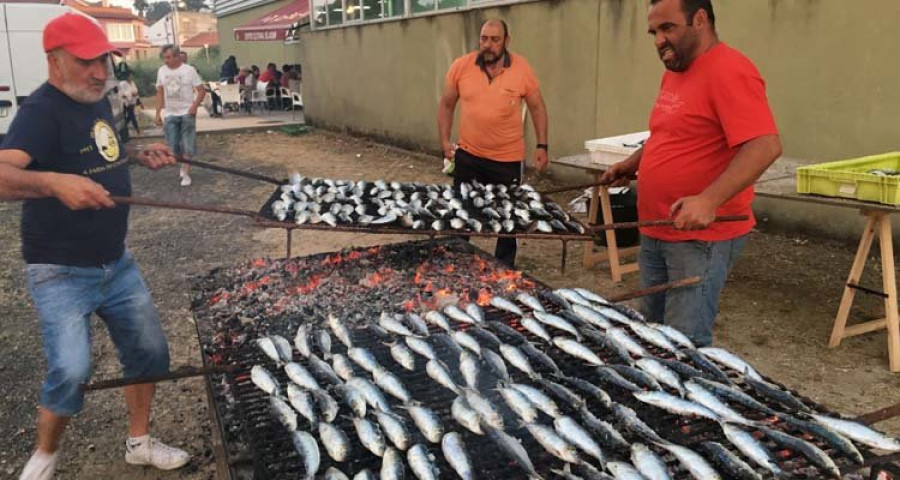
x,y
64,136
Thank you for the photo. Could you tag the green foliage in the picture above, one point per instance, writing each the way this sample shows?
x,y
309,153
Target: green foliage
x,y
145,70
157,10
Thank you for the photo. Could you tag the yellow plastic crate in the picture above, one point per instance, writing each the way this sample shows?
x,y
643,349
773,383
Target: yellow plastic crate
x,y
852,179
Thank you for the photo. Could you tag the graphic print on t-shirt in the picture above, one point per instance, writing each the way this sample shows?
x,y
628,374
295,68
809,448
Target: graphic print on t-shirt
x,y
105,139
669,102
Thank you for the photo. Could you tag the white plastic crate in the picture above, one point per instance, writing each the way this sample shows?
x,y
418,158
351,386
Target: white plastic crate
x,y
610,150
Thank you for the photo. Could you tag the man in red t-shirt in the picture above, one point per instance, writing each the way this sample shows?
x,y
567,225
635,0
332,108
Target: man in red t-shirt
x,y
712,135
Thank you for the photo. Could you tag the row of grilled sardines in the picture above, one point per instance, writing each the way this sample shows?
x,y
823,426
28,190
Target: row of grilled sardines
x,y
473,207
573,419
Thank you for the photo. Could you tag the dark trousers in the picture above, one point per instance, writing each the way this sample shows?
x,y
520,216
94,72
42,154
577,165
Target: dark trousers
x,y
130,118
469,167
216,103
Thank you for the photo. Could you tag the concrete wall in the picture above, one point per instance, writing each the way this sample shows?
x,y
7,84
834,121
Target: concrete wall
x,y
829,64
254,53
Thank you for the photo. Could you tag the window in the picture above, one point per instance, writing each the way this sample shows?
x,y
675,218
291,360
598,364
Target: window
x,y
332,13
120,32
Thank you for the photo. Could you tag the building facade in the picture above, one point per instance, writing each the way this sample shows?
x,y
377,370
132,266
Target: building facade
x,y
125,30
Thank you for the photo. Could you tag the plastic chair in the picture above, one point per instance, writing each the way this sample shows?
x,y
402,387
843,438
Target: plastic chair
x,y
285,95
258,99
296,103
231,95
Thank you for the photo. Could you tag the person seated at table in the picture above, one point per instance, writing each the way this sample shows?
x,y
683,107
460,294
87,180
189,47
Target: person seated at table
x,y
270,74
248,84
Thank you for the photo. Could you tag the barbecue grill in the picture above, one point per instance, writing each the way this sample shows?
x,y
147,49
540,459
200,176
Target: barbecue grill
x,y
233,306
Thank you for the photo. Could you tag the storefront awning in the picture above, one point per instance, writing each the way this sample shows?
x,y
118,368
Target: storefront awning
x,y
273,25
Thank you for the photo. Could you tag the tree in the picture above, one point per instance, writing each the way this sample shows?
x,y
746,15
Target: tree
x,y
195,5
141,6
158,10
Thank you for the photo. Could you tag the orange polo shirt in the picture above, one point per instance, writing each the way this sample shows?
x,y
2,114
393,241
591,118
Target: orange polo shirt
x,y
490,120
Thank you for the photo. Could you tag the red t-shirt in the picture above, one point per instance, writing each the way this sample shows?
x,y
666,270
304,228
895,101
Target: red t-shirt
x,y
700,120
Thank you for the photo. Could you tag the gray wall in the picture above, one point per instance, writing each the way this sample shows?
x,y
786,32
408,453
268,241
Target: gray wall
x,y
830,66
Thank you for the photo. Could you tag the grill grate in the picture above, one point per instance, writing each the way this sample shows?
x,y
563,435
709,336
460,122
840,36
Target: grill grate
x,y
252,433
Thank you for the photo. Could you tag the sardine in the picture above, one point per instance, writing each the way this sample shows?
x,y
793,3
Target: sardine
x,y
267,346
731,361
539,399
301,341
507,306
775,393
475,311
467,341
648,462
727,462
308,449
370,436
394,430
675,335
859,432
283,412
702,396
428,422
438,319
327,405
827,435
558,323
507,331
571,431
562,394
439,372
365,474
372,394
553,443
364,358
519,404
468,367
391,384
655,337
484,337
711,369
301,376
418,324
735,395
342,366
513,449
699,468
517,359
323,341
353,398
808,450
624,471
486,410
662,374
466,416
303,402
591,296
609,376
496,364
448,343
540,359
318,367
264,380
421,346
340,331
590,316
624,340
638,376
457,456
751,448
578,350
536,328
392,325
403,356
683,370
422,463
572,296
634,424
283,347
392,467
606,434
530,301
334,474
588,389
676,405
455,313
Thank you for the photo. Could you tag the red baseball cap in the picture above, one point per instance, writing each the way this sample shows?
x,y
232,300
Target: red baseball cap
x,y
79,35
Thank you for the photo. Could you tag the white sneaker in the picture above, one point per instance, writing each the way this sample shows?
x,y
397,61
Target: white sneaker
x,y
153,452
40,466
185,180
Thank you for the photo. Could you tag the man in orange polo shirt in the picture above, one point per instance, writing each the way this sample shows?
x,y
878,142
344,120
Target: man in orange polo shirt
x,y
490,84
712,135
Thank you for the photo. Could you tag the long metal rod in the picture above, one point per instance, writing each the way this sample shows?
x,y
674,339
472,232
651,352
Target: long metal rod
x,y
183,372
146,202
233,171
577,187
880,415
685,282
660,223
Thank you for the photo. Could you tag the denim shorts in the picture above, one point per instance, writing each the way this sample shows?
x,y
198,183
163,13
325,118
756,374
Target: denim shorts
x,y
181,134
692,310
65,298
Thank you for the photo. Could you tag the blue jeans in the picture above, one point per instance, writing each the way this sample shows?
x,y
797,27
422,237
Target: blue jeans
x,y
65,298
181,135
692,310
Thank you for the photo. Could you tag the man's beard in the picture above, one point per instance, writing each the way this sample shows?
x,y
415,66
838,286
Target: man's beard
x,y
681,54
494,60
85,96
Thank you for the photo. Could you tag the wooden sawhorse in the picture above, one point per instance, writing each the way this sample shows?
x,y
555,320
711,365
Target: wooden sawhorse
x,y
878,222
612,253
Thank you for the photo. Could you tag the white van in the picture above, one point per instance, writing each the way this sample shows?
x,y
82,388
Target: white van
x,y
23,64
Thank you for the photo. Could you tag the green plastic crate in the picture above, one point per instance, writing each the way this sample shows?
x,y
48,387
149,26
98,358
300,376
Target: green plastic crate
x,y
850,179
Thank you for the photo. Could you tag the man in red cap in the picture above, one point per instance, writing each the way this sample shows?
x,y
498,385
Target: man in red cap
x,y
63,157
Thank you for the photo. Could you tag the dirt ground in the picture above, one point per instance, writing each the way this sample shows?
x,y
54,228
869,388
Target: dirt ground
x,y
777,309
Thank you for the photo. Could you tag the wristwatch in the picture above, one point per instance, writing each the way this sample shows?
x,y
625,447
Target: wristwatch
x,y
544,146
